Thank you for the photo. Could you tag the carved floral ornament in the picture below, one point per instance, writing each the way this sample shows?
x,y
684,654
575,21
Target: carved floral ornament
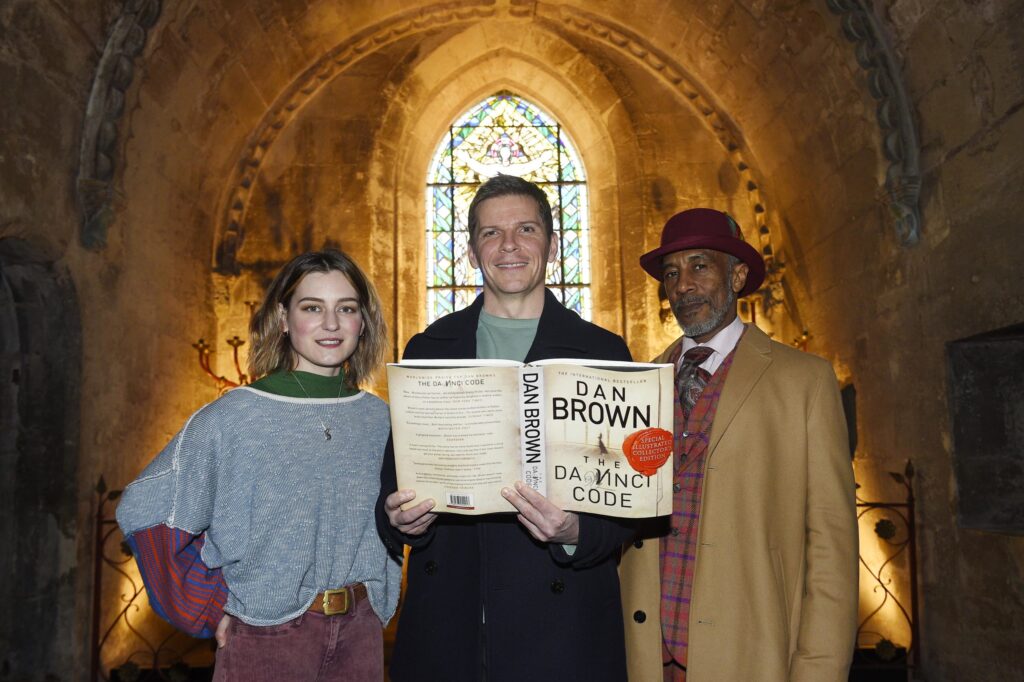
x,y
875,55
100,130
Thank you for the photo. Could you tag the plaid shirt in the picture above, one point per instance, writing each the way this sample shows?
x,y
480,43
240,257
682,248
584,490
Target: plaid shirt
x,y
678,548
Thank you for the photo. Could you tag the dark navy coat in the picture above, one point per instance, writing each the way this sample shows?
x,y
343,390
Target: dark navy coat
x,y
549,616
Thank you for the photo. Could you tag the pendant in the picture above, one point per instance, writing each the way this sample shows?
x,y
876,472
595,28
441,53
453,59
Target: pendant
x,y
327,433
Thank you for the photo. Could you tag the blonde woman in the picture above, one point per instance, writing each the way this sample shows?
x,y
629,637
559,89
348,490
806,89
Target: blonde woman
x,y
256,523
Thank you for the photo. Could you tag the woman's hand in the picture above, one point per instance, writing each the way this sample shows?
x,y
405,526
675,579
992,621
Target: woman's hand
x,y
221,635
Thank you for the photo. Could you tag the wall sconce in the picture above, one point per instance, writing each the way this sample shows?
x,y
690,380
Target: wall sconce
x,y
204,349
222,382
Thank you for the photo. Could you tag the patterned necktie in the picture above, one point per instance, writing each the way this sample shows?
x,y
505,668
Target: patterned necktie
x,y
691,378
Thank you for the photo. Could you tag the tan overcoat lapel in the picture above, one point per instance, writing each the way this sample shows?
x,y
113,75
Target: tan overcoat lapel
x,y
753,355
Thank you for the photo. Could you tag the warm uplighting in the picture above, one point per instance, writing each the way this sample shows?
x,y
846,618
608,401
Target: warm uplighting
x,y
888,567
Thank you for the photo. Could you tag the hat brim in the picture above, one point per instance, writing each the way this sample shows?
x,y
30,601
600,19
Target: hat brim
x,y
651,261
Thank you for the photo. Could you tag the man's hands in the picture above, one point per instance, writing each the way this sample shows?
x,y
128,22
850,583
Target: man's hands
x,y
545,521
413,521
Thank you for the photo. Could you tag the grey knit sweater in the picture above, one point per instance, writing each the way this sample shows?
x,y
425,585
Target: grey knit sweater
x,y
287,513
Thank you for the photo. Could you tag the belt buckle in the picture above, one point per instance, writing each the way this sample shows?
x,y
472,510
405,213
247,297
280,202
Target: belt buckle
x,y
328,611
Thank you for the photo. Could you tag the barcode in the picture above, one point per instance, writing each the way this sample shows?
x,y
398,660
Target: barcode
x,y
460,500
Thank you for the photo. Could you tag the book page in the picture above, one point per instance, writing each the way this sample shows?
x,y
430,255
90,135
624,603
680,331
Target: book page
x,y
609,438
456,434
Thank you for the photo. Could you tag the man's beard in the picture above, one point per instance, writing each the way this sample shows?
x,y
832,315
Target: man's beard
x,y
712,322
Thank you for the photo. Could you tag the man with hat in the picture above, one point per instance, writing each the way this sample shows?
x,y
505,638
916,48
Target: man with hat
x,y
756,577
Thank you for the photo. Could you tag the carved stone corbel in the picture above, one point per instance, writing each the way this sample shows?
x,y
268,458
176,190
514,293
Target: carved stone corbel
x,y
875,55
97,157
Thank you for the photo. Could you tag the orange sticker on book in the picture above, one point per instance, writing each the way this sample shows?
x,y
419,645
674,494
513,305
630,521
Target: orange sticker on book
x,y
646,450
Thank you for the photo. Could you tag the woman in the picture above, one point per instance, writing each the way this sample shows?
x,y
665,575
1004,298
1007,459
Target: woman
x,y
256,522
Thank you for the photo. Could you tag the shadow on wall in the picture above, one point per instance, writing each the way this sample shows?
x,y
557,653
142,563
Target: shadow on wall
x,y
40,370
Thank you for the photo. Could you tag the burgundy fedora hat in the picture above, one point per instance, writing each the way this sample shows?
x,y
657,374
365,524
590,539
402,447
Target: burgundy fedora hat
x,y
706,228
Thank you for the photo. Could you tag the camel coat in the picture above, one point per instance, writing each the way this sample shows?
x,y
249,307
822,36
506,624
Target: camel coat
x,y
775,585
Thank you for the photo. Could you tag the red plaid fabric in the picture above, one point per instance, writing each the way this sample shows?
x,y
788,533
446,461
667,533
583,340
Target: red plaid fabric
x,y
678,548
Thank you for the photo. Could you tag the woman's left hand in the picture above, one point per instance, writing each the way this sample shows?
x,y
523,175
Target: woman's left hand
x,y
221,635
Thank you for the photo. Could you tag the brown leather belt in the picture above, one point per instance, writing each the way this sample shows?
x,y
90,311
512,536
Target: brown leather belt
x,y
338,602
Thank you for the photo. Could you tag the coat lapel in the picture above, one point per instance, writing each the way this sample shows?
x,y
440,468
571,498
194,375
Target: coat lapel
x,y
753,355
555,337
453,336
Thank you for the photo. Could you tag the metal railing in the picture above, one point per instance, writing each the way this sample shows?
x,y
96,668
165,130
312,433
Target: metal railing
x,y
159,652
896,527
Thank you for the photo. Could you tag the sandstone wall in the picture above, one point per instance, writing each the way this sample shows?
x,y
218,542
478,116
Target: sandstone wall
x,y
252,130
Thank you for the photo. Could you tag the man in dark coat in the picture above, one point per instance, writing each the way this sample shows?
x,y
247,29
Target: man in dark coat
x,y
508,597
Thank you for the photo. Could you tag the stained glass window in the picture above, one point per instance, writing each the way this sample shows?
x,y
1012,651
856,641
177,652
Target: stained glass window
x,y
504,134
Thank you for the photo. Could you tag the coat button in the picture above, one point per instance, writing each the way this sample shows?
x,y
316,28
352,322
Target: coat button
x,y
430,568
639,616
638,543
557,586
675,532
686,434
676,487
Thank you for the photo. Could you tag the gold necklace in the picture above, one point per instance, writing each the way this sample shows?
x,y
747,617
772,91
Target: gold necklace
x,y
323,424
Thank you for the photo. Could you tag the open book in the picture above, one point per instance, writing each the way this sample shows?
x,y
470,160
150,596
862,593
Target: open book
x,y
591,436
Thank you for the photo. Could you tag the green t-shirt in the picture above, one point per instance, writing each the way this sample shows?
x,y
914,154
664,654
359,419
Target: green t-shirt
x,y
502,338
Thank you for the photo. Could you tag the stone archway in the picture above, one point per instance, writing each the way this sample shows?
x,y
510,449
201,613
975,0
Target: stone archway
x,y
40,369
